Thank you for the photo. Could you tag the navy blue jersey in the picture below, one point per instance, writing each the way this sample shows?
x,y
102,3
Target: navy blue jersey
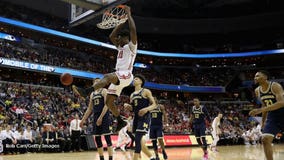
x,y
140,124
199,114
98,103
156,117
98,106
139,102
268,98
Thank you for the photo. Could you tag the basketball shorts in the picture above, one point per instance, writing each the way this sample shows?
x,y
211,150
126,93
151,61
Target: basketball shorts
x,y
156,132
199,130
140,124
272,127
104,128
125,78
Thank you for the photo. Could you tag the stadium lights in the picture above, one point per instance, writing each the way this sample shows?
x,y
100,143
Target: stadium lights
x,y
143,52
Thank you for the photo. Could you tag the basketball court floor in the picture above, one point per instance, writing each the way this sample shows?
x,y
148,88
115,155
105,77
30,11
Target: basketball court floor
x,y
242,152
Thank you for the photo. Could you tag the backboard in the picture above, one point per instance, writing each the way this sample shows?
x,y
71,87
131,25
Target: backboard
x,y
84,10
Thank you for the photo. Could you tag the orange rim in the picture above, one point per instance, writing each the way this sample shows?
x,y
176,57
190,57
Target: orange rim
x,y
121,6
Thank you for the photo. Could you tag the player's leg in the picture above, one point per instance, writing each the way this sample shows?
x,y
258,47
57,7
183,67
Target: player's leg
x,y
110,102
267,146
138,147
131,137
119,139
106,80
153,137
100,147
109,146
145,149
215,141
160,136
114,90
162,144
269,131
197,135
204,142
127,141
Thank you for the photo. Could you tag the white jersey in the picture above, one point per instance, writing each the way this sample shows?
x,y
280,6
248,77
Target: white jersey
x,y
215,123
126,57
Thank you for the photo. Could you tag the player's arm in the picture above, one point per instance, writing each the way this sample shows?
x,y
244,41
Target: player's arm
x,y
88,111
264,114
114,34
191,117
104,93
132,26
81,92
147,93
165,118
153,103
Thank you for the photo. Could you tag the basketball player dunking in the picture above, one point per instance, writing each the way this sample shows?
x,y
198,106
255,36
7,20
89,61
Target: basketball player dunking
x,y
126,43
271,96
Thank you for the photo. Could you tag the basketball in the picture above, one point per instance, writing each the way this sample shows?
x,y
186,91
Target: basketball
x,y
66,79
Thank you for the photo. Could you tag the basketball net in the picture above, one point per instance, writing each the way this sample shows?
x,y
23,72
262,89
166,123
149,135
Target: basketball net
x,y
113,17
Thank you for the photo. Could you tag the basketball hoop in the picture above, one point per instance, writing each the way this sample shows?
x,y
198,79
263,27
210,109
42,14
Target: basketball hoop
x,y
113,17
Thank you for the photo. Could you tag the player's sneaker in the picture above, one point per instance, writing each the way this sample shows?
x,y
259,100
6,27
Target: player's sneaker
x,y
165,156
122,148
205,156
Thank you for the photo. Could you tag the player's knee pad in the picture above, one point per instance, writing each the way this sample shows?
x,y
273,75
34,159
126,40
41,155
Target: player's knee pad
x,y
108,140
99,141
154,142
138,137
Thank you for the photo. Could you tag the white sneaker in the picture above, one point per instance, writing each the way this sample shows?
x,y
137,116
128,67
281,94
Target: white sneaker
x,y
122,148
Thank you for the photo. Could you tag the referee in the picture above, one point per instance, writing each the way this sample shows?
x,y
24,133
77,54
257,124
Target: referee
x,y
75,131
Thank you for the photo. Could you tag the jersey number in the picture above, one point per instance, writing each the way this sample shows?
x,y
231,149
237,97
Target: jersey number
x,y
135,102
196,115
154,115
96,101
268,102
120,54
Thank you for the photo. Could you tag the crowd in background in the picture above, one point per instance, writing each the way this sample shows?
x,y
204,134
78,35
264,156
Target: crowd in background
x,y
60,57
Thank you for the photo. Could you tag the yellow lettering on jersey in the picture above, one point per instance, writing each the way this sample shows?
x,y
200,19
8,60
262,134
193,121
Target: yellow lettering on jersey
x,y
268,102
196,115
145,125
154,115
